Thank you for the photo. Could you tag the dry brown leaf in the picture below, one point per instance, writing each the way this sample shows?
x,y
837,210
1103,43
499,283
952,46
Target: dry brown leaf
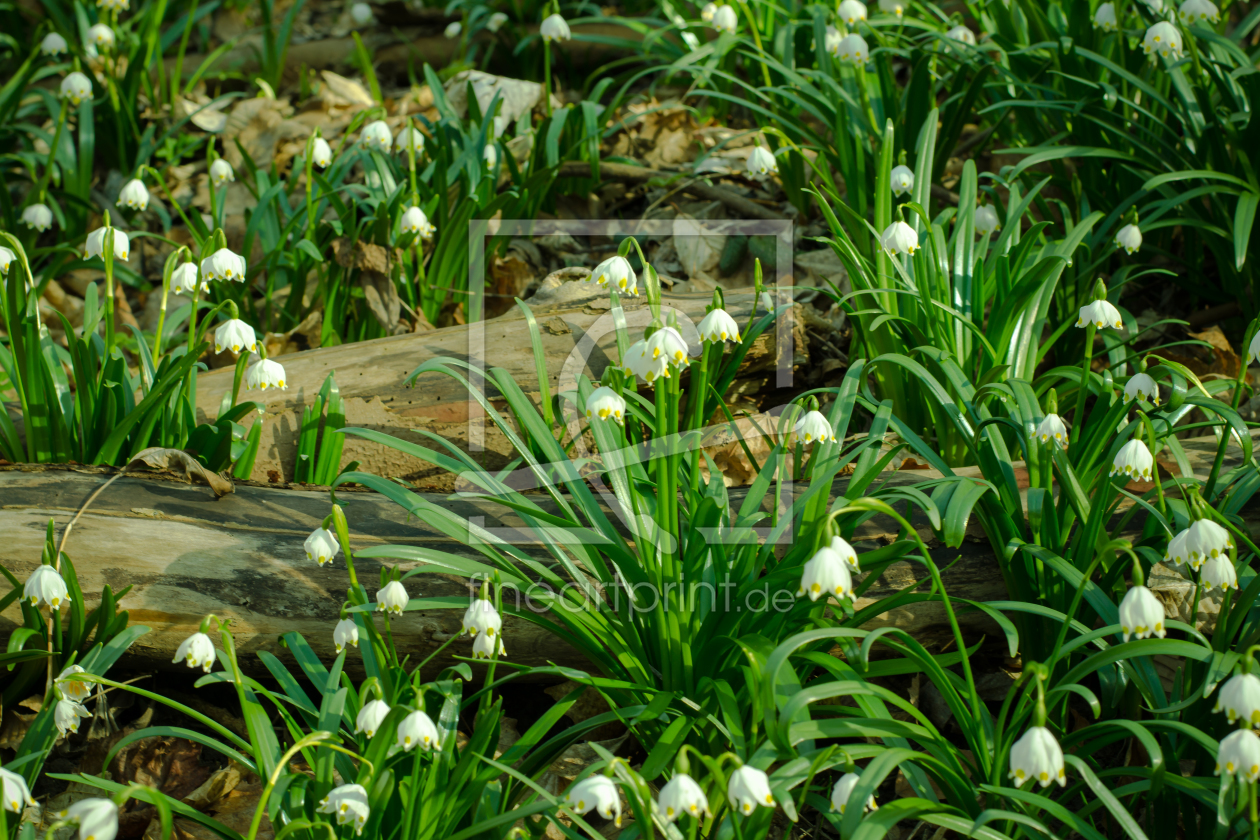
x,y
178,461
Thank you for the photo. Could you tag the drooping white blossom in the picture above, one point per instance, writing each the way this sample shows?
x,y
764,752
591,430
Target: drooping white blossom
x,y
893,7
100,36
1129,238
377,137
749,788
66,716
94,246
184,279
1177,552
986,219
681,795
392,598
349,803
15,791
53,44
761,162
1240,698
1037,755
1207,541
1101,314
595,792
37,217
825,574
415,221
322,546
555,28
901,179
1162,39
370,717
668,343
843,792
1141,386
417,730
725,19
853,49
1197,11
453,29
1052,428
264,374
963,35
851,11
361,14
97,818
1105,18
134,195
196,651
45,586
223,265
814,427
1141,614
899,238
221,172
718,326
1219,573
604,403
76,87
486,646
409,139
321,153
842,547
345,634
1134,461
235,335
75,690
495,22
616,271
1239,755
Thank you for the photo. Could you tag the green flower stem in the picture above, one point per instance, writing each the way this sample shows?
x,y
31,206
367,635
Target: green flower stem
x,y
547,78
1078,419
52,151
699,386
107,253
309,741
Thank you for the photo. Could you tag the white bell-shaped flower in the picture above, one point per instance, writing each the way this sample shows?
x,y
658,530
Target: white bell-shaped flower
x,y
409,139
482,617
963,35
495,22
1178,553
53,44
893,7
73,689
853,49
486,646
1134,461
762,163
322,546
1037,755
640,363
97,818
196,651
417,730
1219,573
681,795
1197,11
100,36
377,137
718,326
901,179
725,19
452,30
1240,698
555,28
490,156
1051,428
831,40
94,246
843,792
986,219
813,427
114,5
321,153
15,791
851,11
234,335
76,87
899,238
1207,541
392,598
1162,39
349,803
6,259
184,279
605,403
370,717
629,361
45,586
264,374
37,217
134,195
1105,18
748,788
841,546
415,221
824,575
1141,614
667,342
345,634
361,14
1141,387
221,172
1239,755
707,13
223,265
617,273
66,715
595,792
1129,238
1101,314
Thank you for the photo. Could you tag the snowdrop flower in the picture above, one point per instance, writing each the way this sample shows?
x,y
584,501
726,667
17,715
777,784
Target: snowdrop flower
x,y
196,650
361,14
962,34
986,219
1177,553
1240,698
417,730
496,21
264,374
414,221
101,36
604,403
322,546
53,44
841,546
893,7
453,29
1219,573
707,13
376,137
1105,18
345,634
499,125
482,617
1134,461
1207,541
113,5
66,716
825,574
617,272
1037,755
1141,386
73,689
321,153
1162,39
669,343
761,161
1239,755
1156,6
16,793
409,137
1129,238
725,20
681,795
223,265
638,363
554,28
853,48
1101,314
45,586
1141,614
370,717
1197,11
814,427
899,238
486,646
134,195
235,335
748,788
767,302
97,818
490,154
184,279
37,217
851,11
843,792
1052,428
831,40
901,179
596,792
392,598
95,244
76,87
6,259
349,803
718,326
221,172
